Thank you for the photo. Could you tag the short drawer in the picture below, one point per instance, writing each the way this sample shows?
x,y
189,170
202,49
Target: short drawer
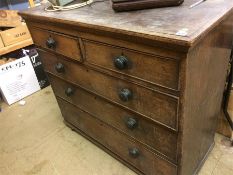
x,y
159,107
59,43
153,69
120,145
158,138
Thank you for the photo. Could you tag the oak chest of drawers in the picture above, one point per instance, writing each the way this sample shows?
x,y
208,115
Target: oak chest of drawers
x,y
144,86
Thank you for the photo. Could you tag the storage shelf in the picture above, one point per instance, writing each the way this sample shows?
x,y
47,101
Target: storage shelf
x,y
16,46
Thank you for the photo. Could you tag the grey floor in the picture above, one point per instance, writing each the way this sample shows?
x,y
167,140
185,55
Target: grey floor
x,y
35,141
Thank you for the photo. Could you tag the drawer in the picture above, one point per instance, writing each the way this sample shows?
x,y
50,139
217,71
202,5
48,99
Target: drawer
x,y
160,107
153,69
120,145
59,43
158,138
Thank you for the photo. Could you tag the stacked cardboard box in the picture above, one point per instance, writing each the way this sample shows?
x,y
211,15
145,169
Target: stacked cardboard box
x,y
14,34
21,72
9,18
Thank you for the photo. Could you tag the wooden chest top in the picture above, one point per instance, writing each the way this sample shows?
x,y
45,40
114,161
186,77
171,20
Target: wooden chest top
x,y
162,24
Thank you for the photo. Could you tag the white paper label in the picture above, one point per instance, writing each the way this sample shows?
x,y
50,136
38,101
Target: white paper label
x,y
182,32
18,80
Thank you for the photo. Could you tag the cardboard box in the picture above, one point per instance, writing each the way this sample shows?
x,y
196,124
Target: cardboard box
x,y
15,35
9,18
1,43
18,80
23,76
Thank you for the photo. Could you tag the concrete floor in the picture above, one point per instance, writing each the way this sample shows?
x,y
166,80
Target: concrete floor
x,y
35,141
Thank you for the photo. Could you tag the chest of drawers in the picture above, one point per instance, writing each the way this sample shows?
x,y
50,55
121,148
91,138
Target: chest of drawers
x,y
133,86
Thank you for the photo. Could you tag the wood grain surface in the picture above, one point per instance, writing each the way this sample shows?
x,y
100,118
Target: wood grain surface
x,y
155,24
162,108
154,69
156,137
147,162
175,82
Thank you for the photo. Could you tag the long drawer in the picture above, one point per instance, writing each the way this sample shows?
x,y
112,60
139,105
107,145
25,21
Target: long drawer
x,y
161,108
150,68
158,138
132,152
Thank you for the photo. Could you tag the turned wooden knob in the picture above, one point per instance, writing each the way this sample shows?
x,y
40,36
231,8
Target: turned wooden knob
x,y
131,123
134,152
60,68
121,62
51,43
69,92
125,95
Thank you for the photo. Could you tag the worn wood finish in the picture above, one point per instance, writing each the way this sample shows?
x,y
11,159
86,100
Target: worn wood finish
x,y
206,64
156,70
156,137
177,81
146,162
105,38
223,126
157,51
155,24
65,45
161,107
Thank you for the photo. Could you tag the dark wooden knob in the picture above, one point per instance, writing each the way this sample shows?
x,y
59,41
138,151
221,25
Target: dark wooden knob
x,y
125,95
69,92
60,68
51,43
121,62
134,152
131,123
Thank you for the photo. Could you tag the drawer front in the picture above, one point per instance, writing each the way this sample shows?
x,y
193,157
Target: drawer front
x,y
58,43
154,69
159,107
128,150
157,137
